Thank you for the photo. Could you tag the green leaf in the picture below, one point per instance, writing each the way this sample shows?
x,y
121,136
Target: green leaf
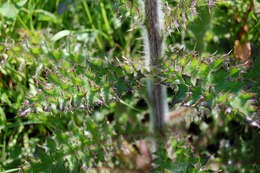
x,y
203,71
17,124
217,63
60,35
179,167
184,61
5,99
2,116
234,71
9,10
192,67
47,16
21,3
241,103
222,98
55,78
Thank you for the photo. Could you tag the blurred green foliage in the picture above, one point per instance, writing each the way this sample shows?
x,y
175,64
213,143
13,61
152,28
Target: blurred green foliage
x,y
72,83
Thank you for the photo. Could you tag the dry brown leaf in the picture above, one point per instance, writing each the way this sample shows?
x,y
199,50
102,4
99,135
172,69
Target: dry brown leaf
x,y
144,159
140,160
242,51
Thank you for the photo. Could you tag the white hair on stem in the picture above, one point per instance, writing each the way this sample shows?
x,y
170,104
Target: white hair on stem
x,y
153,36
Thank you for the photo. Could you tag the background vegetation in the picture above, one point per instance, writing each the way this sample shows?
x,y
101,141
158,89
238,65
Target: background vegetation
x,y
73,78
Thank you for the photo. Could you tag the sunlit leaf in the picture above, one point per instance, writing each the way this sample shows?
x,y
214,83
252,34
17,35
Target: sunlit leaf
x,y
61,35
9,10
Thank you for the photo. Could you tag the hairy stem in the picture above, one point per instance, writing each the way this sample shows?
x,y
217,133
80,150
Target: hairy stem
x,y
154,53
